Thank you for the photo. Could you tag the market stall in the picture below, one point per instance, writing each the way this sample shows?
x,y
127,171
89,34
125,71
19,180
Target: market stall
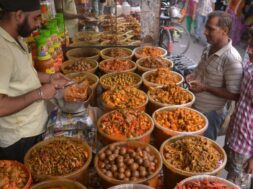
x,y
125,118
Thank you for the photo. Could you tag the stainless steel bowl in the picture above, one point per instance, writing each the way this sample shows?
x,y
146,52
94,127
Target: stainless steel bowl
x,y
72,107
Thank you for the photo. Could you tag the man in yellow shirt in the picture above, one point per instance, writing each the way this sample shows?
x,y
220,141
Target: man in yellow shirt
x,y
23,112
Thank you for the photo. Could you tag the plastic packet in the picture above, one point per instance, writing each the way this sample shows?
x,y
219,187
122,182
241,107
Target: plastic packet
x,y
76,92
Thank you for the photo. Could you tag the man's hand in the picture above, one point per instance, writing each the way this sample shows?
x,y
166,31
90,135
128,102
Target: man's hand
x,y
249,168
47,91
197,86
189,78
59,80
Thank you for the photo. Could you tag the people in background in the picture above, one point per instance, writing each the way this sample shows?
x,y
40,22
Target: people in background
x,y
190,8
218,76
68,7
109,7
98,6
221,5
248,13
204,7
235,9
239,138
23,91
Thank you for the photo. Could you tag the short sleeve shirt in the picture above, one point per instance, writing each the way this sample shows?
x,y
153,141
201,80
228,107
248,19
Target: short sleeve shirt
x,y
223,69
18,77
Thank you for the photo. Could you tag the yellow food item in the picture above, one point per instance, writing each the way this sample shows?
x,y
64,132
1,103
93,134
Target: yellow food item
x,y
170,94
155,62
120,79
150,51
163,76
180,119
124,97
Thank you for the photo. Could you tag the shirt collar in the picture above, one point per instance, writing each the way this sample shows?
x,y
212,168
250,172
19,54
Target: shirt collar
x,y
224,49
6,35
9,38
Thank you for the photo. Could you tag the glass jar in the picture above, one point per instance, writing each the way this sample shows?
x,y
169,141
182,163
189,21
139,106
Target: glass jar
x,y
45,64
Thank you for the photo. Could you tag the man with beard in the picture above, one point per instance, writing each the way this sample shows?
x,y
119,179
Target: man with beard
x,y
23,112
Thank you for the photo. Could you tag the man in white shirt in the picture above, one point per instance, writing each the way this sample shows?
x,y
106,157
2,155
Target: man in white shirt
x,y
23,91
203,8
217,78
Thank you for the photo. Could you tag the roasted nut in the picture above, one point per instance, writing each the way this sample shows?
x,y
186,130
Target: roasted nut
x,y
129,163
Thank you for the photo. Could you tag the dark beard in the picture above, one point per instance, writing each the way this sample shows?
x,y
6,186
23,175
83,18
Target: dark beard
x,y
24,30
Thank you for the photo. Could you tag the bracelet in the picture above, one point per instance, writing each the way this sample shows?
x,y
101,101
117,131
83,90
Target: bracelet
x,y
40,94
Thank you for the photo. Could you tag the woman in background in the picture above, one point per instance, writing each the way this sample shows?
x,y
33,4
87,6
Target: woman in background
x,y
235,9
190,8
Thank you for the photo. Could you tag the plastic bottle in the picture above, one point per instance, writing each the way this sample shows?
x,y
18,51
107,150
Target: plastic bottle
x,y
119,9
42,49
50,45
46,12
60,23
44,62
126,8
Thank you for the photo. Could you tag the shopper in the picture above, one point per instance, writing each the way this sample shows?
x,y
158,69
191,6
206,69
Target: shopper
x,y
217,78
23,112
235,9
248,13
239,138
190,7
204,7
68,7
221,5
98,7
